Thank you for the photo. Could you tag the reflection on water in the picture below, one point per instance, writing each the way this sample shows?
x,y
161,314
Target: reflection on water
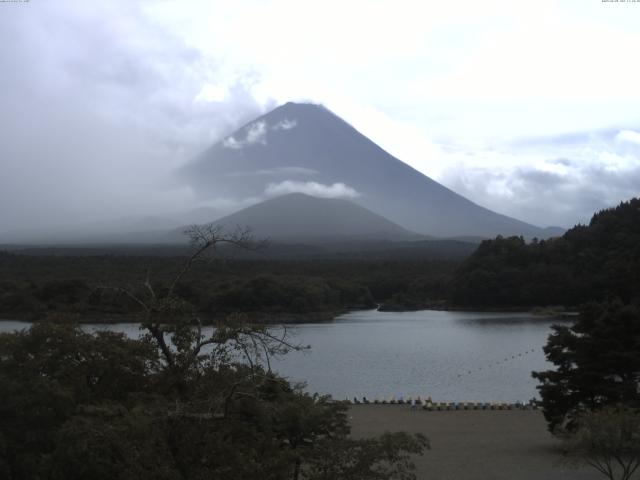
x,y
450,356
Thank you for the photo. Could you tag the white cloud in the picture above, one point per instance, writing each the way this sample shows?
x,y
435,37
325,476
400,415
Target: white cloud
x,y
256,133
315,189
628,136
285,124
232,143
447,86
212,93
530,184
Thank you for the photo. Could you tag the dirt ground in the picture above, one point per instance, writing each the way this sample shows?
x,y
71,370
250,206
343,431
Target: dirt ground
x,y
474,444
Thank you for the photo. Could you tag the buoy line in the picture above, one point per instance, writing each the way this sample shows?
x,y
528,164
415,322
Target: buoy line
x,y
427,404
506,359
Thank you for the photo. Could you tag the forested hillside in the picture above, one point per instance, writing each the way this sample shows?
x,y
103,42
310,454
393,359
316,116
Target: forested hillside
x,y
588,263
33,286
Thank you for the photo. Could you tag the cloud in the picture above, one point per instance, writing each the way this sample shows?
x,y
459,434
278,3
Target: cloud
x,y
212,93
292,170
628,136
232,143
256,133
560,161
100,105
285,124
559,179
559,191
564,139
540,178
103,100
315,189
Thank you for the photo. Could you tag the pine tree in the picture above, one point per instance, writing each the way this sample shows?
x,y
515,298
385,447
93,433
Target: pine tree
x,y
597,363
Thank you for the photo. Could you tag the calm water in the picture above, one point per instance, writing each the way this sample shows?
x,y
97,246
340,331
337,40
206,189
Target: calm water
x,y
450,356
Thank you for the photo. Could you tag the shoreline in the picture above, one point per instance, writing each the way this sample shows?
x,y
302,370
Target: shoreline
x,y
280,318
116,319
547,311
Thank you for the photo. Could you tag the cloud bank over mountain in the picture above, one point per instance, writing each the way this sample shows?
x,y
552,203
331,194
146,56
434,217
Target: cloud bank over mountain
x,y
315,189
103,101
100,105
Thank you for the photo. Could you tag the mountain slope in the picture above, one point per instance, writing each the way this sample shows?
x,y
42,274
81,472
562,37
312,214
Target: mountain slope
x,y
302,217
305,147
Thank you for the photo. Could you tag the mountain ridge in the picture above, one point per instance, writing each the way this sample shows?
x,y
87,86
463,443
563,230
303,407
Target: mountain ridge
x,y
301,217
297,147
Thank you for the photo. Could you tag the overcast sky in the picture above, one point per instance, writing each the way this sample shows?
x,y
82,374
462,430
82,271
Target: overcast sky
x,y
530,108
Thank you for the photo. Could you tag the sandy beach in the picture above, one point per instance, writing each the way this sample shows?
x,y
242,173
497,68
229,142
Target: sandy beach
x,y
474,444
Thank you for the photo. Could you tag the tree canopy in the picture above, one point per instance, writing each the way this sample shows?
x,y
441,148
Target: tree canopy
x,y
597,362
588,263
174,404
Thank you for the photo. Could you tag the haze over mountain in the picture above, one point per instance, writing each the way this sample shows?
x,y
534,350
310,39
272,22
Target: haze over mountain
x,y
300,217
131,229
305,148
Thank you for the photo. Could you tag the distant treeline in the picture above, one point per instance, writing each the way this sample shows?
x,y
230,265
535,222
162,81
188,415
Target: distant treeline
x,y
34,286
588,263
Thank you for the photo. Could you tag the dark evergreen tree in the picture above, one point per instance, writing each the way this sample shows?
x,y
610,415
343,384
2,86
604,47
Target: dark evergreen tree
x,y
597,363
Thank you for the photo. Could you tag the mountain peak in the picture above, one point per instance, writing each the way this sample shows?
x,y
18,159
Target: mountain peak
x,y
300,111
304,147
300,106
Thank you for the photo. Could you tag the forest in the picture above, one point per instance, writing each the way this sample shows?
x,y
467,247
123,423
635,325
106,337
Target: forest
x,y
591,262
32,285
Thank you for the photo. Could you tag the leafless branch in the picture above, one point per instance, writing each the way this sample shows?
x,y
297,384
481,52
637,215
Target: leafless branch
x,y
150,289
206,238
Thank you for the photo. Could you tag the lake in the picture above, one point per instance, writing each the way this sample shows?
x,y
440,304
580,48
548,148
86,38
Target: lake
x,y
450,356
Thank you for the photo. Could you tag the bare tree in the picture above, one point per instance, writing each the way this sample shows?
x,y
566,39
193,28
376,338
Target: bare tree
x,y
177,330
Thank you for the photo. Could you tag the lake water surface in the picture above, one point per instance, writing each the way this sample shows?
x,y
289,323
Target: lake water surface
x,y
450,356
